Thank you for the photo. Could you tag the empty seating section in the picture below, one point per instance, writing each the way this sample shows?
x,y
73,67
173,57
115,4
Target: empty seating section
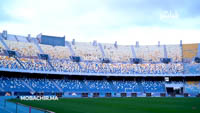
x,y
87,51
71,85
23,48
191,68
174,52
42,85
192,87
127,86
21,38
120,53
57,52
11,37
153,86
1,49
98,85
13,84
16,38
190,50
150,53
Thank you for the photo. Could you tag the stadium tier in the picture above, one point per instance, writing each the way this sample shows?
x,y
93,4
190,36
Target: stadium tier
x,y
29,55
20,53
19,86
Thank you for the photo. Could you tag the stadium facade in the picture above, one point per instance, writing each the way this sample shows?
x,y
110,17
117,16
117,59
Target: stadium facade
x,y
48,65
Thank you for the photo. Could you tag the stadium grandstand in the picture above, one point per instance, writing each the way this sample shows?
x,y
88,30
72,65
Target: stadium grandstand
x,y
28,55
49,65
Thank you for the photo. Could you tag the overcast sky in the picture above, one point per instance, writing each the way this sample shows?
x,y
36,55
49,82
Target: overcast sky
x,y
125,21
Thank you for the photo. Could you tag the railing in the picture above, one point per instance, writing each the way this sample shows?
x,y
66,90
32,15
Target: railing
x,y
7,48
133,51
165,52
48,61
38,46
12,107
42,52
70,48
4,44
102,51
20,63
198,52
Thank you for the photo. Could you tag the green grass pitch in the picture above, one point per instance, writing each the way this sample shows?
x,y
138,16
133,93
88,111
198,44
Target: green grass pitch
x,y
118,105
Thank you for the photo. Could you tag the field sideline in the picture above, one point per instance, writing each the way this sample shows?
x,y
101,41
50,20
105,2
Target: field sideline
x,y
118,105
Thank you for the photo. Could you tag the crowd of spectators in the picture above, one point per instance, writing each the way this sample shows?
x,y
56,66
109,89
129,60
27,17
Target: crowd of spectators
x,y
129,68
87,51
9,63
119,53
150,53
59,58
56,52
174,52
24,49
36,64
